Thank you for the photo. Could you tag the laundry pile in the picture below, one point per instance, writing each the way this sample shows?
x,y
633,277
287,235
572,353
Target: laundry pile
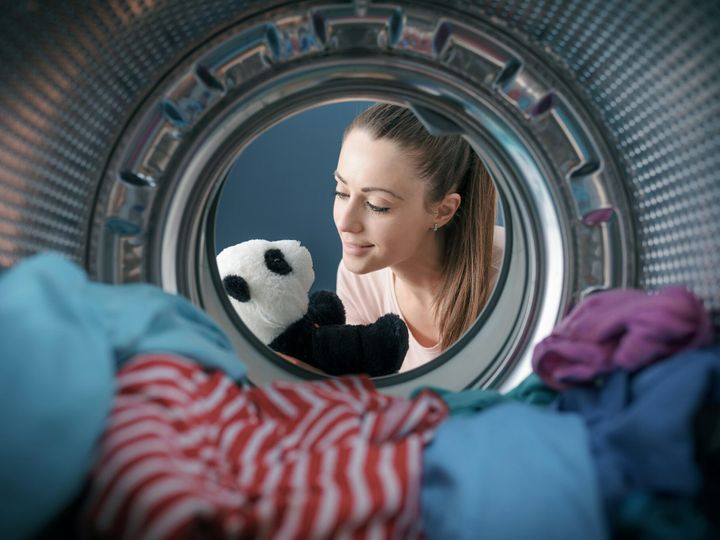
x,y
126,414
622,440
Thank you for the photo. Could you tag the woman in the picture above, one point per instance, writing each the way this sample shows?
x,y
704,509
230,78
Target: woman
x,y
416,217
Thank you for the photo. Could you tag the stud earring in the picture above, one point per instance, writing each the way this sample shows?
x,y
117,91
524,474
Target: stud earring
x,y
435,227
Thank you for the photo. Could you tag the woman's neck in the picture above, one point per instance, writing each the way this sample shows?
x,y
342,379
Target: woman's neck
x,y
419,277
415,294
420,284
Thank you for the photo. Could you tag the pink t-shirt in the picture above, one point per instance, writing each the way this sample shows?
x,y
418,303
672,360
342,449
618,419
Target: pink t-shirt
x,y
367,297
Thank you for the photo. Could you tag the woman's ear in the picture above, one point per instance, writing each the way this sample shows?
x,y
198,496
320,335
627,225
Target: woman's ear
x,y
445,209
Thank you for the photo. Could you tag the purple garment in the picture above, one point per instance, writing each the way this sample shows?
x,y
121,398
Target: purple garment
x,y
621,328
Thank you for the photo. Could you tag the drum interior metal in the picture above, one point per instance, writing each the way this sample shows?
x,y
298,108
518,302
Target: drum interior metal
x,y
600,121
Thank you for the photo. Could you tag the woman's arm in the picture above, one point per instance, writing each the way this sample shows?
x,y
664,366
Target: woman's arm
x,y
299,363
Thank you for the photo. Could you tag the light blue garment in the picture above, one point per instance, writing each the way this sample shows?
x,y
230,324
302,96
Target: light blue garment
x,y
142,318
62,339
514,471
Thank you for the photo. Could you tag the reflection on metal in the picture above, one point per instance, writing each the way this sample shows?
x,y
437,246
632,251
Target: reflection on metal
x,y
435,123
552,169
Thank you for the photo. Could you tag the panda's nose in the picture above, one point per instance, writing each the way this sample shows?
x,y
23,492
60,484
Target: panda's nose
x,y
237,288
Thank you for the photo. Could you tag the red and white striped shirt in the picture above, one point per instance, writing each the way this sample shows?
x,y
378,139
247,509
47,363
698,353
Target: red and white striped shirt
x,y
190,454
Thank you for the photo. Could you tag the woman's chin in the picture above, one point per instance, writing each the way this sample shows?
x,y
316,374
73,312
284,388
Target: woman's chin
x,y
359,265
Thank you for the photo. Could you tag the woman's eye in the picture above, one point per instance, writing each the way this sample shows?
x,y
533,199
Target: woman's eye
x,y
378,209
370,206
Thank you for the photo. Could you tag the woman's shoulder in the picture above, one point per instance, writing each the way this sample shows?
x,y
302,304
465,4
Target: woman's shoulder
x,y
499,237
498,249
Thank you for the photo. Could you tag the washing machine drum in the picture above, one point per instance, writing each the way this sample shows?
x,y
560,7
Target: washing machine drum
x,y
599,121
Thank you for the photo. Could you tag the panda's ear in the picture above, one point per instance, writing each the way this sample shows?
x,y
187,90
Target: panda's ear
x,y
237,287
276,263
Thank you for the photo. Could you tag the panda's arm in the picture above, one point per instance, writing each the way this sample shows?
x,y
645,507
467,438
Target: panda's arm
x,y
325,308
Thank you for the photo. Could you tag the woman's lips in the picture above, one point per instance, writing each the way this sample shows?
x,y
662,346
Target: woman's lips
x,y
352,248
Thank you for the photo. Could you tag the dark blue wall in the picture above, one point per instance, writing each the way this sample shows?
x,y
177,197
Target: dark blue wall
x,y
282,186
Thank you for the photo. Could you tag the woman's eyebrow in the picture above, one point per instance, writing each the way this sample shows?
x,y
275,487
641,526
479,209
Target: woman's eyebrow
x,y
369,189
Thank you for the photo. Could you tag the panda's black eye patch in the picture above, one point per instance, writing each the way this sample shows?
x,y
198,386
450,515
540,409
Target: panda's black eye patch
x,y
237,287
275,261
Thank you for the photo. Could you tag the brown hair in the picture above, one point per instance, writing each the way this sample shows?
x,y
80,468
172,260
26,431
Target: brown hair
x,y
448,164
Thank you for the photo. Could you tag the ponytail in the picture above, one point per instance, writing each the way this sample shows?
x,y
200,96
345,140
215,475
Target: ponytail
x,y
467,254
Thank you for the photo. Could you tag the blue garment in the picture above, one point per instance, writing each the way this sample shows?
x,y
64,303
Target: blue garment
x,y
62,339
641,424
514,471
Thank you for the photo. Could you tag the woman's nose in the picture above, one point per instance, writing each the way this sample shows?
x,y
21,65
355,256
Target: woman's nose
x,y
347,217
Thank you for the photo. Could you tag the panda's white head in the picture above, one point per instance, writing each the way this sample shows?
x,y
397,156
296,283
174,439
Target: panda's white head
x,y
268,283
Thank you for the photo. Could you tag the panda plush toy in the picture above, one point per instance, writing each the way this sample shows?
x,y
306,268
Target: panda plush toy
x,y
268,284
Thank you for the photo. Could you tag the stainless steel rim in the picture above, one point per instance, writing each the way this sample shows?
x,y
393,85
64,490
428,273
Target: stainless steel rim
x,y
564,202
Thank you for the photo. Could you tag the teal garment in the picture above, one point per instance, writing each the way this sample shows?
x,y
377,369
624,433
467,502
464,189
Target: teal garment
x,y
531,391
63,338
513,471
645,516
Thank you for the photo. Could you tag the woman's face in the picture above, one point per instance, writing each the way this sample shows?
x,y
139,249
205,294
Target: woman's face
x,y
380,210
